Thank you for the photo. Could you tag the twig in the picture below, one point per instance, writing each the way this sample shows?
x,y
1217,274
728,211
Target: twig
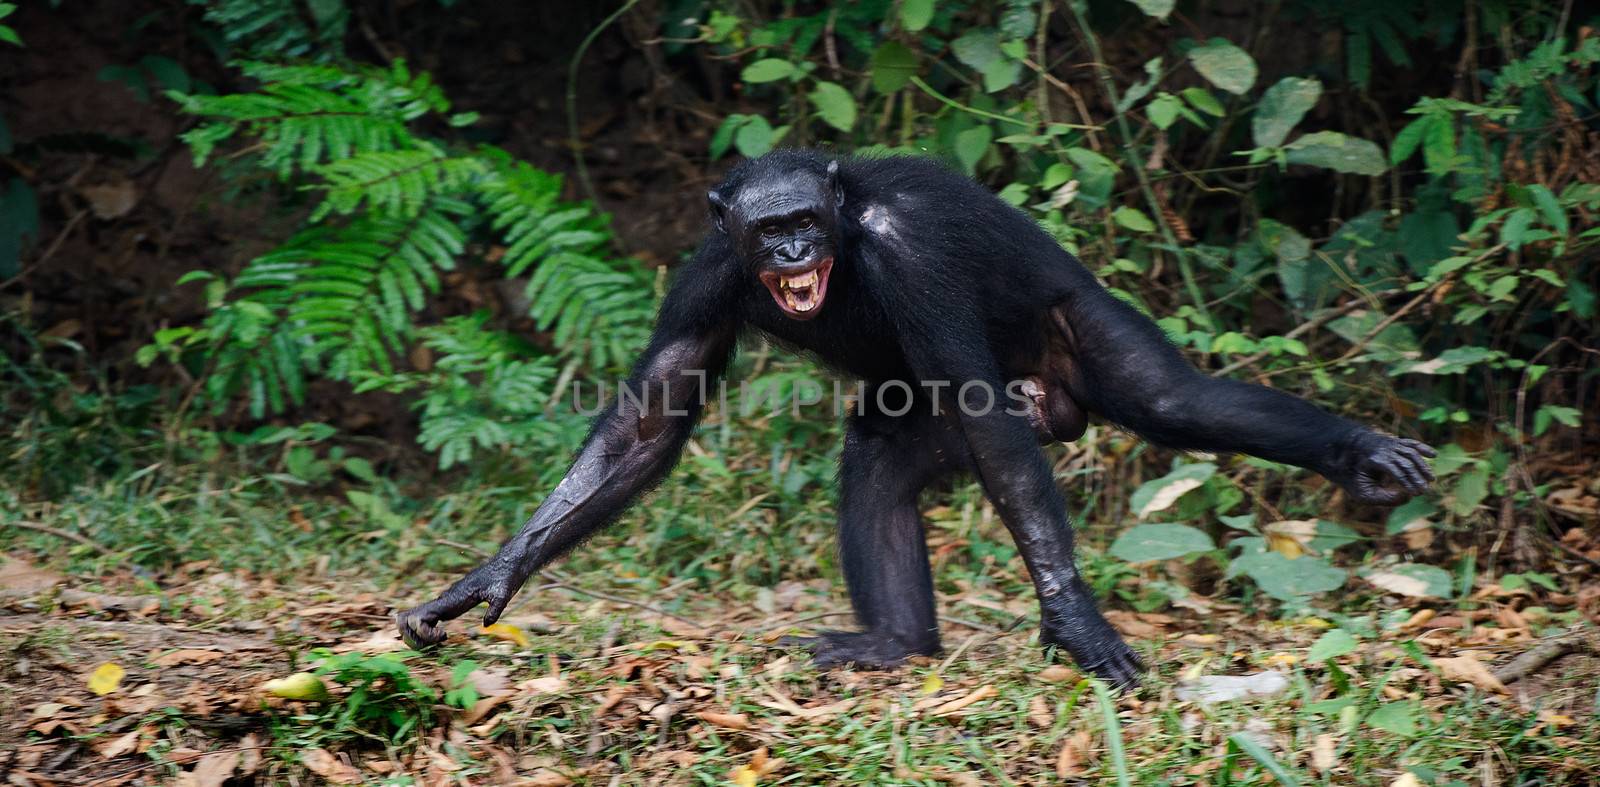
x,y
55,245
1109,87
66,534
1548,651
572,100
1303,328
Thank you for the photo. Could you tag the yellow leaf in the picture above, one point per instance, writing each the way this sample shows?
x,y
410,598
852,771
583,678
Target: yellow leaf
x,y
299,686
1282,660
744,776
932,683
106,678
507,632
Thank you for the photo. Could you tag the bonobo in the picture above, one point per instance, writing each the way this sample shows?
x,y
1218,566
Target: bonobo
x,y
936,294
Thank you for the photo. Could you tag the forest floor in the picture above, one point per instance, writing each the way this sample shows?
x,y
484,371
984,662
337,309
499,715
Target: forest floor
x,y
590,682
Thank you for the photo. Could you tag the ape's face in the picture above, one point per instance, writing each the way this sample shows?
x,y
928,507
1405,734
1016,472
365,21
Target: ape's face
x,y
785,231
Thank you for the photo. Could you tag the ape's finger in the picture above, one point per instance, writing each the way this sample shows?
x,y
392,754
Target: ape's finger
x,y
1421,447
497,605
1373,494
1419,465
1405,473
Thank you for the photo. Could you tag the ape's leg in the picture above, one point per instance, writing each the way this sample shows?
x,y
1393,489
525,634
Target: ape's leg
x,y
887,461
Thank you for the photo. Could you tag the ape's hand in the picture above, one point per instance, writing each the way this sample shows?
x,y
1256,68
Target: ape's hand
x,y
1386,470
494,583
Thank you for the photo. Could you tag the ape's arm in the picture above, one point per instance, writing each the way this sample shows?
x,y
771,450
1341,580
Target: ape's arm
x,y
629,449
1127,371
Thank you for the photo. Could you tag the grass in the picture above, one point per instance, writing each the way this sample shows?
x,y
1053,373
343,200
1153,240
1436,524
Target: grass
x,y
267,567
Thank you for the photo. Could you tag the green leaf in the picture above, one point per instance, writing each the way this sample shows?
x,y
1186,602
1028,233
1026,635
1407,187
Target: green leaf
x,y
1335,151
770,69
1145,543
1550,207
9,36
915,14
980,50
1332,644
1201,99
1133,219
1399,718
1281,108
1156,8
835,104
970,145
1225,65
1408,140
1566,416
893,65
1161,493
755,137
167,72
1417,580
1163,110
1257,752
1283,577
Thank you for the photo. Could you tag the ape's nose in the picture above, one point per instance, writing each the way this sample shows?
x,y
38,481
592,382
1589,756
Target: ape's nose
x,y
795,251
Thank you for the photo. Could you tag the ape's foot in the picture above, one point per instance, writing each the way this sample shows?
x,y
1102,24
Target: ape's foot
x,y
1076,626
862,648
1114,662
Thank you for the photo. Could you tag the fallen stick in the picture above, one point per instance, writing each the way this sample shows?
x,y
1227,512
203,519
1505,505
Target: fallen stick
x,y
1546,652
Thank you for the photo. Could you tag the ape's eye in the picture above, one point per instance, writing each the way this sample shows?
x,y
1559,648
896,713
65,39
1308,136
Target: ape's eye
x,y
806,223
769,230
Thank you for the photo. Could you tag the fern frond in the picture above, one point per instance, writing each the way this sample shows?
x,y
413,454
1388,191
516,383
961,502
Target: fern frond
x,y
277,27
394,183
599,310
305,115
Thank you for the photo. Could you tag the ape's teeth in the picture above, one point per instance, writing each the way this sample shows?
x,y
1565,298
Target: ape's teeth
x,y
793,304
803,280
806,306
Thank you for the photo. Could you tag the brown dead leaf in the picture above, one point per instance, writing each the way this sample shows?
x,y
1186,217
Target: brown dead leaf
x,y
544,778
249,754
213,769
1323,752
1132,625
1069,761
111,200
23,577
1058,673
1039,714
1466,669
976,695
1290,537
186,656
111,748
732,721
483,708
1399,583
385,641
324,764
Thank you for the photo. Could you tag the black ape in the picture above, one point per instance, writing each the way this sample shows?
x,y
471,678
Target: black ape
x,y
901,273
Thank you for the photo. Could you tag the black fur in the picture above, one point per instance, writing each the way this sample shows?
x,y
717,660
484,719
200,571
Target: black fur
x,y
928,277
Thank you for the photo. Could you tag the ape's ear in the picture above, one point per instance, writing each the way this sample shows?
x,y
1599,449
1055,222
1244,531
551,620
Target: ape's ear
x,y
833,184
719,211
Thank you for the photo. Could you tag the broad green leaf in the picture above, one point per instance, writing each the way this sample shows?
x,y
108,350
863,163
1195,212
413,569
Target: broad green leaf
x,y
1549,206
1399,718
1284,577
893,65
1225,65
1335,151
1156,8
915,14
1416,580
1247,744
1201,99
970,145
770,69
835,104
1332,644
1145,543
1161,493
1132,219
981,51
755,137
1163,110
1281,108
1408,140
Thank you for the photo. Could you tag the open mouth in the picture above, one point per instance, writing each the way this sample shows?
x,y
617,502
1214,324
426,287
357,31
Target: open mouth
x,y
800,295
